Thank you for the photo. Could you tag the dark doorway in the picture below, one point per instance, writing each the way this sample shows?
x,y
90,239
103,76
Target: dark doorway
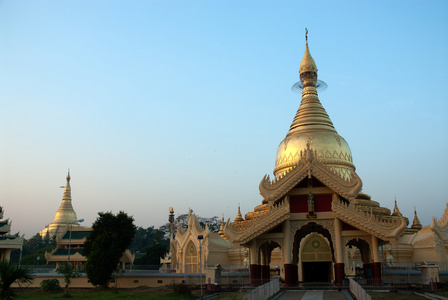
x,y
316,271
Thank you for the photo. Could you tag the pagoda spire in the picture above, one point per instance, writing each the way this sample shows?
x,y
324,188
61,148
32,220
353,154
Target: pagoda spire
x,y
312,130
311,115
66,214
239,216
396,210
416,222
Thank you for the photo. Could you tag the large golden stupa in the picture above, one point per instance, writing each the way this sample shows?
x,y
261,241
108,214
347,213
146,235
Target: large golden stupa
x,y
314,223
65,215
313,127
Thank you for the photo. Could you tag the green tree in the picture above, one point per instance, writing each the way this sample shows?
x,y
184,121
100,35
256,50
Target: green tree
x,y
111,235
10,274
153,254
33,247
213,223
69,272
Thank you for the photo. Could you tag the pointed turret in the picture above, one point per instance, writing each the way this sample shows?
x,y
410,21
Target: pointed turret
x,y
396,210
239,216
416,223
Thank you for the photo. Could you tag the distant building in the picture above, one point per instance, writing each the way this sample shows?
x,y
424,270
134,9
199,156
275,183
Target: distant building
x,y
8,242
70,247
65,215
314,224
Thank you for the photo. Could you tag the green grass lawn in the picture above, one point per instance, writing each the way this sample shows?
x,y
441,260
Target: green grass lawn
x,y
104,294
394,296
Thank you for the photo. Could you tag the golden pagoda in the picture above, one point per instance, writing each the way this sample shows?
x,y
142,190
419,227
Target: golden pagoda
x,y
65,216
313,209
313,224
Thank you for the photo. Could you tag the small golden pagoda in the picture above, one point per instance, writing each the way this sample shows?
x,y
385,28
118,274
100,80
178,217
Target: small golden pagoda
x,y
65,215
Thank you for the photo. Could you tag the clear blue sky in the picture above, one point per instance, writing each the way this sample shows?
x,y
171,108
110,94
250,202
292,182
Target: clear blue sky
x,y
153,104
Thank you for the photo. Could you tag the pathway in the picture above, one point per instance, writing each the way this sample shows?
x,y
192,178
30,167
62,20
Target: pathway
x,y
314,295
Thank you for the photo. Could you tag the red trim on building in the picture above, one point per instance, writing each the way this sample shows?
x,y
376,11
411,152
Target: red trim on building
x,y
299,204
346,226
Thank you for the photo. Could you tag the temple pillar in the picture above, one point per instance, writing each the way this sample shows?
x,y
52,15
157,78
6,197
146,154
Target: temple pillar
x,y
339,273
265,274
291,271
376,265
264,264
255,272
255,275
291,275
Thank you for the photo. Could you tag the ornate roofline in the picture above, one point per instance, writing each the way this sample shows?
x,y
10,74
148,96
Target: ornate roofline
x,y
194,228
385,229
242,232
309,165
440,227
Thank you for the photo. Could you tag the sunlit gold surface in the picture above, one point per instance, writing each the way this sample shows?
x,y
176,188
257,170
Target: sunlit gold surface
x,y
65,215
307,64
313,126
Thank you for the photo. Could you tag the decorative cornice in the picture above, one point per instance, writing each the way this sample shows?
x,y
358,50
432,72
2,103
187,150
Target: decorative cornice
x,y
385,229
242,232
343,181
440,227
272,190
444,220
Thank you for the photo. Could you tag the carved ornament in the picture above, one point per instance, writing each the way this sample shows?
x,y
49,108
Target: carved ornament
x,y
239,232
343,181
326,224
385,229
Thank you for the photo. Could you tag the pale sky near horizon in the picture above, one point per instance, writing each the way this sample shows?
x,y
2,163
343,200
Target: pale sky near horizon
x,y
158,104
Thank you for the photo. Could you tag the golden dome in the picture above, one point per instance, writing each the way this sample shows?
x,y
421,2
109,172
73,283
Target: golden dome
x,y
312,126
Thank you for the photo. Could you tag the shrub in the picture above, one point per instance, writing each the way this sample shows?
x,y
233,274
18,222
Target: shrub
x,y
50,285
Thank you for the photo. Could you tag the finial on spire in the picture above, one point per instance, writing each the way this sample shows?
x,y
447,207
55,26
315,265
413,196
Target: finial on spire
x,y
239,216
68,175
306,35
416,222
396,210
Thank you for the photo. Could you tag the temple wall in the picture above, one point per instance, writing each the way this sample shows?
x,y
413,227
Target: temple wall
x,y
215,258
129,280
425,254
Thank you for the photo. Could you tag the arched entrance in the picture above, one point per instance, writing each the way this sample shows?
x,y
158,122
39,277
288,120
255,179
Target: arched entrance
x,y
265,257
316,259
306,270
361,248
191,258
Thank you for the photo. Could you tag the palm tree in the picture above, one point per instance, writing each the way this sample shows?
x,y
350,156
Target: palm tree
x,y
10,274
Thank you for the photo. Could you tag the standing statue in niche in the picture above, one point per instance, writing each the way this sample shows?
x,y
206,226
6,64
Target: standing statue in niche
x,y
311,213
